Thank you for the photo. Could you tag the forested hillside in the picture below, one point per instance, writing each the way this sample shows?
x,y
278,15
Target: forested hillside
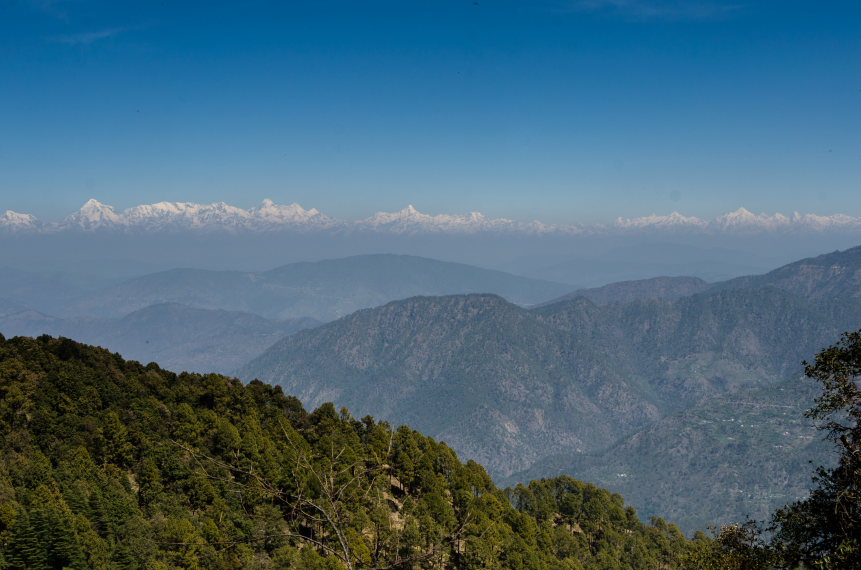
x,y
109,464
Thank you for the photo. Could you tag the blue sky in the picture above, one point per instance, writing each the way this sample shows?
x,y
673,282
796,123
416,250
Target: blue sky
x,y
558,110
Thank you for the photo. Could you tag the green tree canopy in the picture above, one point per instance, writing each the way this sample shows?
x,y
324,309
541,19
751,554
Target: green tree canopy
x,y
107,464
825,528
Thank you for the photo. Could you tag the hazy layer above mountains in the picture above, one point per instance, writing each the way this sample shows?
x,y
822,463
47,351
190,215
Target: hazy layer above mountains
x,y
322,290
92,260
193,319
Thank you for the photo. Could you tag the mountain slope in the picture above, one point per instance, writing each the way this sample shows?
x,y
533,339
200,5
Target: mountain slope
x,y
107,463
836,274
499,380
509,386
737,455
668,288
323,290
709,343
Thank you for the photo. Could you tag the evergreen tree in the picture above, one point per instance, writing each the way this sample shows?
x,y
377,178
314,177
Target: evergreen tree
x,y
825,528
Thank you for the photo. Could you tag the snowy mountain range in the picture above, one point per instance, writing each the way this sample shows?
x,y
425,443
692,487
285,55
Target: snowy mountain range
x,y
95,215
269,216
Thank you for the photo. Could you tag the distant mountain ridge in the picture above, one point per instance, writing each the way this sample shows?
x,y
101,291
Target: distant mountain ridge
x,y
269,216
836,274
182,338
667,288
323,290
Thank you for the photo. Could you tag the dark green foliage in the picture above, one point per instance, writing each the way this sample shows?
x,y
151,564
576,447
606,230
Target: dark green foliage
x,y
735,547
109,464
825,528
578,520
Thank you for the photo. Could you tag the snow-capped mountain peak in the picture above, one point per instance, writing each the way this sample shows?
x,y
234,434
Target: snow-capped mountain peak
x,y
271,213
674,220
13,221
94,215
176,216
411,220
744,219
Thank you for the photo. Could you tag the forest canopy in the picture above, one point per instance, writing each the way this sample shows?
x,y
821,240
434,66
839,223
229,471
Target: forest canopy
x,y
107,463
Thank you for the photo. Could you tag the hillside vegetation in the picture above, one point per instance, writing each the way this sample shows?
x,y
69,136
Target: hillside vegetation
x,y
109,464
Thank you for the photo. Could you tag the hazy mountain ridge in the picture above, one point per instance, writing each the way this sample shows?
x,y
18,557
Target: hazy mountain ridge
x,y
46,293
219,216
181,338
322,290
836,274
667,288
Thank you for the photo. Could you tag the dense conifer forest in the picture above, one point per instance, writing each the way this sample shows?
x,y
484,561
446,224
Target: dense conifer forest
x,y
111,464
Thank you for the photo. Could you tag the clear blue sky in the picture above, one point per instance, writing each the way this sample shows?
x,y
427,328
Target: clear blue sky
x,y
560,110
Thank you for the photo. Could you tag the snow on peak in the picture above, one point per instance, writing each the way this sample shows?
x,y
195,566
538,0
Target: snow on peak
x,y
13,221
822,223
411,221
93,215
742,221
745,220
272,214
674,220
218,216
